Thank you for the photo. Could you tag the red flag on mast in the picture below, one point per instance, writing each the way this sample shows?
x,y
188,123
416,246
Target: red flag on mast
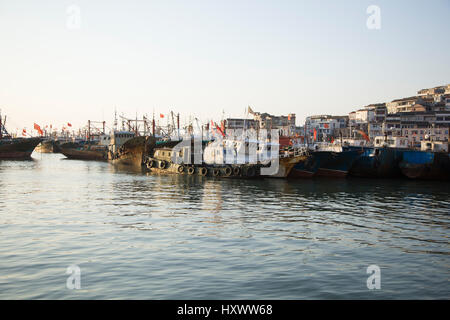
x,y
38,129
219,130
364,135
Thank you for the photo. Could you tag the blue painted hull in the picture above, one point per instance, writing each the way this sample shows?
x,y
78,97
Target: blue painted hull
x,y
425,165
378,163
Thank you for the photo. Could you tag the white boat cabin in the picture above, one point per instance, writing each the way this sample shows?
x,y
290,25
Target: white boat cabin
x,y
118,138
391,142
352,142
434,146
240,152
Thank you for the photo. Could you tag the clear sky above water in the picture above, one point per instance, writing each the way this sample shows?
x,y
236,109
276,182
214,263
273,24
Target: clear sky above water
x,y
203,58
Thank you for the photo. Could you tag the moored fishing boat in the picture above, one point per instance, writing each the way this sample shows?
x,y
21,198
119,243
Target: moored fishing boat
x,y
306,168
227,158
326,160
266,155
92,146
46,146
15,148
335,164
18,148
133,151
432,162
381,161
162,161
78,151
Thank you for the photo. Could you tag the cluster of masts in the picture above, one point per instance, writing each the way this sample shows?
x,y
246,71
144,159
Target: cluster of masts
x,y
153,127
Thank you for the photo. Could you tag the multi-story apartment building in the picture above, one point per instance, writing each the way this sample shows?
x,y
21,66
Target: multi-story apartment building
x,y
369,120
424,101
285,124
410,104
325,126
434,91
419,126
418,117
237,123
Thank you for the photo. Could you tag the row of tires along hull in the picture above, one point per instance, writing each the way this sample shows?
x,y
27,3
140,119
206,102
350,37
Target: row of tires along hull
x,y
242,171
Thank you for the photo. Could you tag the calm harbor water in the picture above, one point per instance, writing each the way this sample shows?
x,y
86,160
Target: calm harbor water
x,y
138,236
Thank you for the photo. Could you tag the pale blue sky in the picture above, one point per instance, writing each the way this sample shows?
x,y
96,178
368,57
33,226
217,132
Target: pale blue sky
x,y
202,57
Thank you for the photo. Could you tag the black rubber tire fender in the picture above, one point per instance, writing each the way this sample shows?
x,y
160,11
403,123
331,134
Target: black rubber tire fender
x,y
162,164
251,171
228,171
202,171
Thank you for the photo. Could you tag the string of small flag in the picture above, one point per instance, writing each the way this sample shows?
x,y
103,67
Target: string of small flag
x,y
41,132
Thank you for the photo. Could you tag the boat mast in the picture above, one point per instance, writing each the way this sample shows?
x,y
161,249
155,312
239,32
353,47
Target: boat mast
x,y
153,124
178,125
173,121
89,131
115,120
137,129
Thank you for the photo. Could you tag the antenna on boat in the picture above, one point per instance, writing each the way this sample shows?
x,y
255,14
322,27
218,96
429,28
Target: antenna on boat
x,y
1,125
178,125
115,119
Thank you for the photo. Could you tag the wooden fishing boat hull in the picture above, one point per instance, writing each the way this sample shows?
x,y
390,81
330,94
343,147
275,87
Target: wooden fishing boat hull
x,y
18,149
46,147
97,155
286,164
133,152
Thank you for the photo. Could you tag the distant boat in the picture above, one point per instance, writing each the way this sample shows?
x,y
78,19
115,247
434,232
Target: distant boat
x,y
78,151
94,148
46,146
432,162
